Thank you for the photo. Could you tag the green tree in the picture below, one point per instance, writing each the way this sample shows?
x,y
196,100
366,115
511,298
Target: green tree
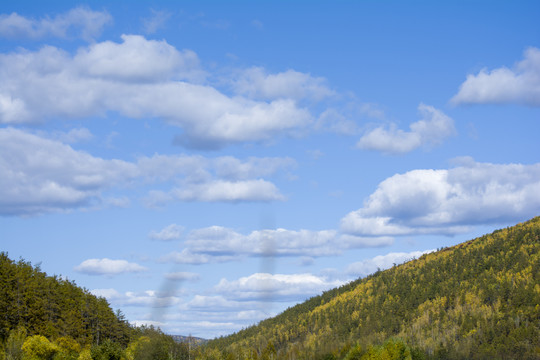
x,y
38,347
108,350
13,347
68,349
355,353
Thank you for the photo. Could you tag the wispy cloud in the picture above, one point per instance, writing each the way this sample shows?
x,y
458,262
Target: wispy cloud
x,y
156,21
81,22
170,232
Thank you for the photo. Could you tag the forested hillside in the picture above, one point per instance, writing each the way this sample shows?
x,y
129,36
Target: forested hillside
x,y
476,300
47,317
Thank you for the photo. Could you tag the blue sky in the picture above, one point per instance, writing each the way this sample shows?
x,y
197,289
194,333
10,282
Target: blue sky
x,y
204,165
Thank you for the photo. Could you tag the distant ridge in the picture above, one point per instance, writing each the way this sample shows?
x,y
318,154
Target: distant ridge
x,y
476,300
189,339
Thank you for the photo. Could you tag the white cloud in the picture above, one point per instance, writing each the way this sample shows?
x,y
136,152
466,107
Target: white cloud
x,y
137,60
354,242
188,257
108,267
217,240
231,168
161,82
41,175
434,127
382,262
258,84
277,287
448,201
106,293
519,85
220,244
148,298
80,21
215,303
170,232
229,191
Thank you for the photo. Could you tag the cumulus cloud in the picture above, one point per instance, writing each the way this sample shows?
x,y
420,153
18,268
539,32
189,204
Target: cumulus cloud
x,y
138,78
80,21
217,240
220,244
108,267
136,60
520,85
224,179
42,175
280,287
448,201
431,130
382,262
257,83
170,232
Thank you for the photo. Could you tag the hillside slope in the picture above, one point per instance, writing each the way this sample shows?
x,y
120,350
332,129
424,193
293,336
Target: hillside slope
x,y
49,318
54,307
476,300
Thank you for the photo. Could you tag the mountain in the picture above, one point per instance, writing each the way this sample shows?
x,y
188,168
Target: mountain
x,y
192,340
476,300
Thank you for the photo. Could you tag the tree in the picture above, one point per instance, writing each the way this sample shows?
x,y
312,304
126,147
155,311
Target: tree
x,y
38,347
68,349
108,350
13,348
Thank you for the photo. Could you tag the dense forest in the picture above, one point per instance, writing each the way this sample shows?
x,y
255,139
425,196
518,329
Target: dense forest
x,y
476,300
49,318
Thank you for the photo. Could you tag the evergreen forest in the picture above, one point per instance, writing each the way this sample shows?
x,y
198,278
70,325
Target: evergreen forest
x,y
49,318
